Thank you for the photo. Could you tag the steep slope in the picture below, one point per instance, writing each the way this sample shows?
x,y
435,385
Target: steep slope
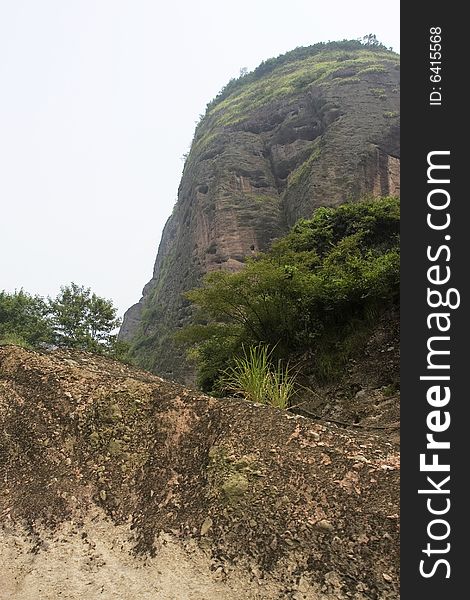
x,y
317,126
117,484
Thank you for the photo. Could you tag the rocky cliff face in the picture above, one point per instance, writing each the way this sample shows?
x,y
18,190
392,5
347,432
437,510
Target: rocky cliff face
x,y
316,127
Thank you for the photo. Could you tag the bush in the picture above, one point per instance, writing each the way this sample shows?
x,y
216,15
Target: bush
x,y
13,339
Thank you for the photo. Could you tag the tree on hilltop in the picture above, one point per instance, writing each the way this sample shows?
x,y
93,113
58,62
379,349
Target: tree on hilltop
x,y
83,320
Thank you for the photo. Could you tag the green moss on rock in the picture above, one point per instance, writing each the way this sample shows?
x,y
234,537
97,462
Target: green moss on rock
x,y
235,487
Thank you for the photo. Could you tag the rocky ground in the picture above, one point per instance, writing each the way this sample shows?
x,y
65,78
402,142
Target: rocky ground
x,y
117,484
366,395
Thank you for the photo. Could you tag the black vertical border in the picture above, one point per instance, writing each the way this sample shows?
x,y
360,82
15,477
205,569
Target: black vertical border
x,y
424,129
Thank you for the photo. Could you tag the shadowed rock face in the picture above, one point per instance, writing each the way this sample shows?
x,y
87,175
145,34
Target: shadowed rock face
x,y
312,132
282,499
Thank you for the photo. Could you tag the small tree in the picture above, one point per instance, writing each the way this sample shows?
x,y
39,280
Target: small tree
x,y
83,320
371,40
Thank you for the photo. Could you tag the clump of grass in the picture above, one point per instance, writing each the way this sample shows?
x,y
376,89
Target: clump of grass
x,y
372,69
281,386
255,377
379,93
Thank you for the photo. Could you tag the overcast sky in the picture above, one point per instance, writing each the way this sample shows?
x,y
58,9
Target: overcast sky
x,y
98,103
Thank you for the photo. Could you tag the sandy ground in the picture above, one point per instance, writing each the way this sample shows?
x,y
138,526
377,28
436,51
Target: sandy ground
x,y
93,561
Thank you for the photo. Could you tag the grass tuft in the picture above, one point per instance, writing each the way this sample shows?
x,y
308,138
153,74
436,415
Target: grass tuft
x,y
256,378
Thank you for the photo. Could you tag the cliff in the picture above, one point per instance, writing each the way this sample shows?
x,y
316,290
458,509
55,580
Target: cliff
x,y
315,127
118,484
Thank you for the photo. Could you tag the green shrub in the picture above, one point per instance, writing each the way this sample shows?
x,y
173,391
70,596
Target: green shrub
x,y
211,347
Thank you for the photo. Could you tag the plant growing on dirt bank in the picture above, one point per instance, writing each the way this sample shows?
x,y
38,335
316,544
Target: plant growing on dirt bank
x,y
257,378
338,269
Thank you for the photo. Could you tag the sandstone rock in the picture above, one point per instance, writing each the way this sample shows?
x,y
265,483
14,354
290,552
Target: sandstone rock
x,y
325,525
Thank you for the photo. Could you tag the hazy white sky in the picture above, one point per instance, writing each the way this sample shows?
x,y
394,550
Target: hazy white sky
x,y
98,103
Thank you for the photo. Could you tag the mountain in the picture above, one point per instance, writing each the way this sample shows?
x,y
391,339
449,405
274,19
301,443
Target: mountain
x,y
317,126
118,484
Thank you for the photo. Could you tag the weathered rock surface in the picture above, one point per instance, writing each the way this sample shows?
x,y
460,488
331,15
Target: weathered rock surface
x,y
312,132
116,483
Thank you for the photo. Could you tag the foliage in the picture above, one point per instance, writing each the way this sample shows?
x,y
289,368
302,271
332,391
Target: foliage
x,y
14,339
255,378
119,350
83,320
212,346
338,268
24,319
369,42
76,318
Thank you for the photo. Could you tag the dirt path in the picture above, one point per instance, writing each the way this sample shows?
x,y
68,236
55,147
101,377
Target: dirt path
x,y
94,561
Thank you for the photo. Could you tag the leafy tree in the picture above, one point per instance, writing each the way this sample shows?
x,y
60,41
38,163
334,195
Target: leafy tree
x,y
83,320
24,319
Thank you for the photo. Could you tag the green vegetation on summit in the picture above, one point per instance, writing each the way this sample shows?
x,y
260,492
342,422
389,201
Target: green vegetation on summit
x,y
322,49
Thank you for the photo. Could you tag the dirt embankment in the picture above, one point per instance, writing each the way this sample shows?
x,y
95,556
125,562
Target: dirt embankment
x,y
117,484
